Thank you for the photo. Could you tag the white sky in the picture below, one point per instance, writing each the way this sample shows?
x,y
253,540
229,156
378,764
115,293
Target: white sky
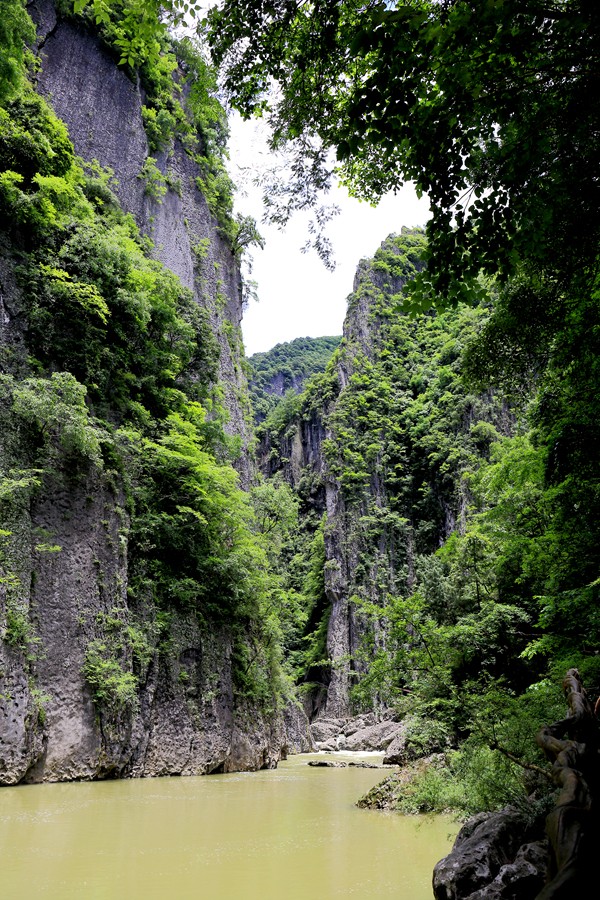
x,y
298,296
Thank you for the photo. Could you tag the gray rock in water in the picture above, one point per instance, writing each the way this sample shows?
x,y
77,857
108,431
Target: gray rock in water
x,y
298,734
396,753
329,746
327,729
357,734
360,722
519,880
327,764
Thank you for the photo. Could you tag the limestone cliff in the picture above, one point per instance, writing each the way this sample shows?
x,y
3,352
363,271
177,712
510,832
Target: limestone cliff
x,y
380,443
102,109
72,606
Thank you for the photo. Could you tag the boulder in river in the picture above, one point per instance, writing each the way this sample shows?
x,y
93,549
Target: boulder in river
x,y
373,737
396,753
327,764
326,730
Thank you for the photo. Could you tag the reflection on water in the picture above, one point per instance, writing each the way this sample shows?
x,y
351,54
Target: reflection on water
x,y
289,834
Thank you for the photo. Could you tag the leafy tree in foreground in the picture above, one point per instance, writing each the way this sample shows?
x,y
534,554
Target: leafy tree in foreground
x,y
486,107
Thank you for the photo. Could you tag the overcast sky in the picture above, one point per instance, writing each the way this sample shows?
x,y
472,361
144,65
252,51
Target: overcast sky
x,y
298,296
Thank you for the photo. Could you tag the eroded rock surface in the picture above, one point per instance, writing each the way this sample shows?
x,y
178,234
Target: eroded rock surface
x,y
360,733
495,857
185,719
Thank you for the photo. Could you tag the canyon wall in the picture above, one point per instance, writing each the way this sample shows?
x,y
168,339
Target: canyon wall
x,y
74,607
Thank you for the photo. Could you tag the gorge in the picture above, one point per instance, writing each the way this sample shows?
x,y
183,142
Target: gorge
x,y
382,541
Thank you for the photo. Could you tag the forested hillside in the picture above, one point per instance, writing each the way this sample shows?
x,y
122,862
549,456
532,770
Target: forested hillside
x,y
422,489
486,108
286,367
462,134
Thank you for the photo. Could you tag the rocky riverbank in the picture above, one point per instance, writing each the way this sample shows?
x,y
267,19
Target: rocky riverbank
x,y
371,731
496,856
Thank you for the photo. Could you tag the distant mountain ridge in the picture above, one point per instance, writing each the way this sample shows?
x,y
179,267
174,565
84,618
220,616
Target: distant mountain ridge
x,y
287,366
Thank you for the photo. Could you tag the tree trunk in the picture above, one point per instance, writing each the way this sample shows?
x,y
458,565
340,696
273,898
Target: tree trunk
x,y
573,745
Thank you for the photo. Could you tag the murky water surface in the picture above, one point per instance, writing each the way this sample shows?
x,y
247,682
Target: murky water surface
x,y
289,834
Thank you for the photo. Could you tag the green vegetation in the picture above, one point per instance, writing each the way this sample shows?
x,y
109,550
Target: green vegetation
x,y
286,367
155,184
481,106
114,690
16,34
450,541
116,383
459,447
116,664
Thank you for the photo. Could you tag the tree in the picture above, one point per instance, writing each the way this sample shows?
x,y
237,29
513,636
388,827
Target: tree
x,y
572,827
16,31
141,24
487,107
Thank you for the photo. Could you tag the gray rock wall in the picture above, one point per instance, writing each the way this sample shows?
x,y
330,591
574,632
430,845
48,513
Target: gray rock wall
x,y
184,718
301,460
102,107
343,545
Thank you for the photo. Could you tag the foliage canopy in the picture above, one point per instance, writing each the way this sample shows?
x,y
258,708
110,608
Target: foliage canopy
x,y
486,107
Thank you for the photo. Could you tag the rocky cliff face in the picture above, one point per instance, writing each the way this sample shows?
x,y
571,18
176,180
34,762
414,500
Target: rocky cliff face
x,y
75,598
380,445
298,451
358,562
102,109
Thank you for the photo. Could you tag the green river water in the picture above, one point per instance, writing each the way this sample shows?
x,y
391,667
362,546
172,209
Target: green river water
x,y
289,834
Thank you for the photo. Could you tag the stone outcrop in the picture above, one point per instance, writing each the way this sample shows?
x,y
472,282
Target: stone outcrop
x,y
395,754
389,793
359,733
496,856
298,733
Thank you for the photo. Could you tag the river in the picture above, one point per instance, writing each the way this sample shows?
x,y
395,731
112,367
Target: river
x,y
289,834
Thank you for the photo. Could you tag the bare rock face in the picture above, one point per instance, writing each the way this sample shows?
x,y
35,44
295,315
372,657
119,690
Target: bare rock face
x,y
493,858
298,736
521,879
21,737
254,746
